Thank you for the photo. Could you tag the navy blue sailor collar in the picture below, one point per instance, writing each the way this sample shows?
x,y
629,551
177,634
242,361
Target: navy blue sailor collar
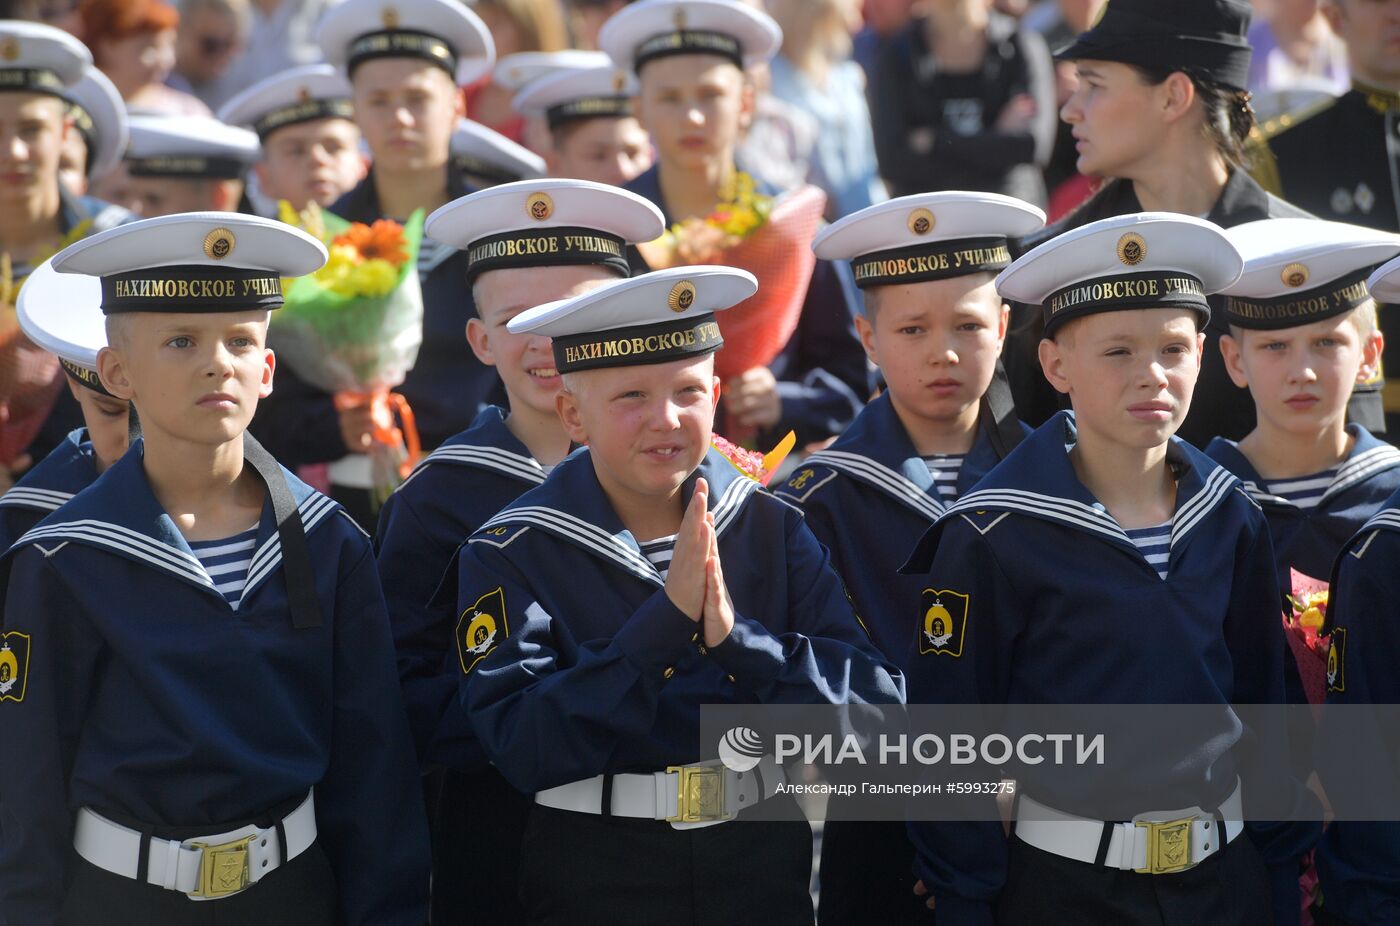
x,y
119,513
876,451
1369,456
1037,480
488,444
572,506
62,474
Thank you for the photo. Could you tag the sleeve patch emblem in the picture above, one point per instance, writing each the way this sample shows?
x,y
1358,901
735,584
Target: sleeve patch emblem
x,y
481,628
1337,661
942,622
14,665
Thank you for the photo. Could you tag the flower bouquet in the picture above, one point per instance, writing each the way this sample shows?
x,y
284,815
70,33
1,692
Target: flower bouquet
x,y
29,376
353,328
1302,626
767,236
760,467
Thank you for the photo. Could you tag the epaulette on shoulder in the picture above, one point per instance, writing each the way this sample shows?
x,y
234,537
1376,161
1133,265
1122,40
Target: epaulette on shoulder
x,y
1263,164
805,481
1277,125
500,535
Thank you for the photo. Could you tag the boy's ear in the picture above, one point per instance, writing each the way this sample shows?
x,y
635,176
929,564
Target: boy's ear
x,y
1233,352
566,404
1371,350
747,102
714,395
1003,326
112,370
1052,363
269,367
480,340
867,338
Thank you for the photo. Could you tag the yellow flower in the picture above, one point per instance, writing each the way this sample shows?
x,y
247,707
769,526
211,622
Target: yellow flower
x,y
1311,618
374,277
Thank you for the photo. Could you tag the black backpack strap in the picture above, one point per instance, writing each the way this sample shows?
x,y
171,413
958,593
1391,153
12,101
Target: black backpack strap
x,y
296,556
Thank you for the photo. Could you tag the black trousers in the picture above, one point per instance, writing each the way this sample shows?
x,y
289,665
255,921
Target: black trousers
x,y
477,828
301,892
867,875
584,869
1231,888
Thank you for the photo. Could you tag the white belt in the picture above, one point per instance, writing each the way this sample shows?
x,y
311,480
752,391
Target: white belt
x,y
1151,843
206,867
687,796
351,471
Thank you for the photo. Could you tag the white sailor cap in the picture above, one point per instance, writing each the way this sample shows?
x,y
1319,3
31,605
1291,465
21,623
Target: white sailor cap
x,y
188,147
929,236
1384,284
651,29
193,262
546,223
573,95
1299,271
490,156
35,58
99,115
314,91
444,32
62,313
525,67
1147,260
653,318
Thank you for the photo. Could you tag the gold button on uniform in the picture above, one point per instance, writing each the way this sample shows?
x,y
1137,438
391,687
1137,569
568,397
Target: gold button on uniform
x,y
670,671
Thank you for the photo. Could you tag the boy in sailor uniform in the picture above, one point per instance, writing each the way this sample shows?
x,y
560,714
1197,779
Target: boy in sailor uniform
x,y
577,241
203,706
648,576
1358,863
934,325
61,313
1106,561
1302,334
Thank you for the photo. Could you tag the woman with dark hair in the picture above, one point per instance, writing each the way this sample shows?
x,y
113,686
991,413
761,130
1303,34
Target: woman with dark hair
x,y
1162,114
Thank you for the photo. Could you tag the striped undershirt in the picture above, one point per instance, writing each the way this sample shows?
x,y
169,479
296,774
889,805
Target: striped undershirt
x,y
944,468
1155,544
658,552
227,562
1305,491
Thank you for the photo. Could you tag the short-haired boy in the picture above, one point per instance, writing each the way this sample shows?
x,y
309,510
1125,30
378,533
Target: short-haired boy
x,y
593,132
646,577
1105,561
62,313
934,326
574,238
201,671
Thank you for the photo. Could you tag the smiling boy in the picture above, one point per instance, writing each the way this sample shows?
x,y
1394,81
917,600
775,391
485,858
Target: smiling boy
x,y
207,679
573,239
934,325
648,576
1105,561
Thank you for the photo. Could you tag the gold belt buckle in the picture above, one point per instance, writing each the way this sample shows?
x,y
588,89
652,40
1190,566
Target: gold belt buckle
x,y
699,794
1168,846
223,869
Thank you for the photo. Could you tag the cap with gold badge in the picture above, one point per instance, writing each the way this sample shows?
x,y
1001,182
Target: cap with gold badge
x,y
303,94
35,58
546,223
650,29
574,95
188,147
489,157
1299,271
1146,260
657,317
443,32
514,72
195,262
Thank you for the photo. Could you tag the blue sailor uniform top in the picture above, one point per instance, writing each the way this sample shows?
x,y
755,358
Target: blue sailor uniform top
x,y
447,386
146,697
1052,603
869,497
592,669
453,492
1358,863
49,484
823,377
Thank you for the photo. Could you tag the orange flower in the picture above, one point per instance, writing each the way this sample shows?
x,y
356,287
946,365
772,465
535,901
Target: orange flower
x,y
383,240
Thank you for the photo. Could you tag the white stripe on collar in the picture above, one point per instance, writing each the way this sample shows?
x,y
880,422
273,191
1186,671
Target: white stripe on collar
x,y
1362,467
895,484
1386,517
26,497
520,467
1198,506
312,512
1073,513
121,539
